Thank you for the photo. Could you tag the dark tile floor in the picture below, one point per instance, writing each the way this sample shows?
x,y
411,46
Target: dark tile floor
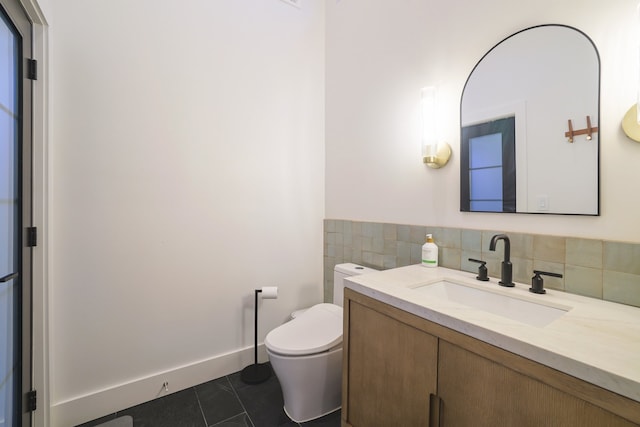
x,y
224,402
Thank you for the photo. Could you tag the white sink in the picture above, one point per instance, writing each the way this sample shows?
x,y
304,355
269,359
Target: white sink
x,y
512,307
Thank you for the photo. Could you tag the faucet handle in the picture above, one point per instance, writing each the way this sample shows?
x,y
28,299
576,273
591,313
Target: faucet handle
x,y
537,282
482,270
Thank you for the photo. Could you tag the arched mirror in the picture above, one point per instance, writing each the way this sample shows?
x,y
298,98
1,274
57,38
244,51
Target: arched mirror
x,y
529,119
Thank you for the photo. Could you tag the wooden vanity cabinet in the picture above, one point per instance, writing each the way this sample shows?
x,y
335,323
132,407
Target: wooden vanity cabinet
x,y
402,370
392,370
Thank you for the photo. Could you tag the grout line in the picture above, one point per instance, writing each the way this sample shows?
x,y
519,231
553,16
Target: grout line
x,y
223,421
204,418
239,400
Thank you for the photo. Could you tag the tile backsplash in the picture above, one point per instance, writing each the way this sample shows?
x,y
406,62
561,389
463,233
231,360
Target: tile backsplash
x,y
594,268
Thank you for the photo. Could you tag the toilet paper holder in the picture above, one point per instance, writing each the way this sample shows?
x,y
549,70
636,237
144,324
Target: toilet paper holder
x,y
258,372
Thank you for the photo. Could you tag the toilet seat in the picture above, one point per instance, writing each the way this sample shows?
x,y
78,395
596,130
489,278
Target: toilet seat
x,y
316,330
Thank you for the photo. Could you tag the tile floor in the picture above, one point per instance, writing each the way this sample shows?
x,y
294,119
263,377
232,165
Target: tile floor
x,y
224,402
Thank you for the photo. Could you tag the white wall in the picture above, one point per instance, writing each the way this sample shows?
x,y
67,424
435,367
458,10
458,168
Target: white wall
x,y
187,154
379,55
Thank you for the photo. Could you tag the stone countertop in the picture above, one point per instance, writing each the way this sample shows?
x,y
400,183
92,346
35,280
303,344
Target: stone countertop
x,y
596,341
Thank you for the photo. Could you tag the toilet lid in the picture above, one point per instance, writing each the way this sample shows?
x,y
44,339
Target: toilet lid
x,y
316,330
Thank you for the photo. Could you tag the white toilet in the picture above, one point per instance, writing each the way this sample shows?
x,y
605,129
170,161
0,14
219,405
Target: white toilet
x,y
306,354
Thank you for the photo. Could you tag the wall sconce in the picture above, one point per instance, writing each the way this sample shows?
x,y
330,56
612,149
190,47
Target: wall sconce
x,y
435,154
631,120
631,123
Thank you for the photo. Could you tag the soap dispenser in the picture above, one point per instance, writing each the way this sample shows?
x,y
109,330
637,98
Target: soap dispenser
x,y
430,253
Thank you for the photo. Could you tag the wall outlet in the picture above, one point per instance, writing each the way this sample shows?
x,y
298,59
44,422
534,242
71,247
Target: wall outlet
x,y
295,3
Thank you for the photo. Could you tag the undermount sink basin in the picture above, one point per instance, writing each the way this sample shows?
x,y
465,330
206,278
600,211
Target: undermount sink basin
x,y
511,307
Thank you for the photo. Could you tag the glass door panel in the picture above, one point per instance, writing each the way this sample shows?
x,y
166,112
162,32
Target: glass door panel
x,y
10,224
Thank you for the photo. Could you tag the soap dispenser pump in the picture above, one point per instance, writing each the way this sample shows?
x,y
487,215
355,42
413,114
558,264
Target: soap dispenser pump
x,y
430,253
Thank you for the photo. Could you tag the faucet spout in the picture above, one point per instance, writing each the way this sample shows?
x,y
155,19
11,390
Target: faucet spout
x,y
507,268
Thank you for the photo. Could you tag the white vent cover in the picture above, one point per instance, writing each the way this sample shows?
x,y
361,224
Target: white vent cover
x,y
295,3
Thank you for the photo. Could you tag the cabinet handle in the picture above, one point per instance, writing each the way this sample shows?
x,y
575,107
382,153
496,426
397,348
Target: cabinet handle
x,y
435,410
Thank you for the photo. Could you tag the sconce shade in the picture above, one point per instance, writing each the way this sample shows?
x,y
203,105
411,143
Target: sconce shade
x,y
428,115
630,123
434,154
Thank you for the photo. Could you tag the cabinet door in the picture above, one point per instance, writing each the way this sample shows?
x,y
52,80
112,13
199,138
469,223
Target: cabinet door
x,y
476,391
391,370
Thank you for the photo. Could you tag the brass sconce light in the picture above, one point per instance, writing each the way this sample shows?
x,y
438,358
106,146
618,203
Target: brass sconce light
x,y
631,120
631,123
435,154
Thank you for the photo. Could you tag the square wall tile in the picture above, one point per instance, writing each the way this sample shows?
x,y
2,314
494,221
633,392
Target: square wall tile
x,y
404,233
418,234
621,287
329,225
356,228
378,230
416,253
522,270
390,232
549,248
583,281
330,238
449,258
377,245
390,247
622,257
367,243
471,240
367,229
367,258
338,238
389,261
449,238
356,256
522,245
494,267
377,261
584,252
347,227
403,252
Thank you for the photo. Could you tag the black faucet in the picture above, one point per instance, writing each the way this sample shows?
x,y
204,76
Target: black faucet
x,y
537,283
507,273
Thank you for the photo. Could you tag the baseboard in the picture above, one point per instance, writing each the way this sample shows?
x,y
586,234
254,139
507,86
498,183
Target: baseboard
x,y
81,409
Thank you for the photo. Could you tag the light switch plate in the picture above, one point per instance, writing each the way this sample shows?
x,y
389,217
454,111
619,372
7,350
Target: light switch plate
x,y
543,203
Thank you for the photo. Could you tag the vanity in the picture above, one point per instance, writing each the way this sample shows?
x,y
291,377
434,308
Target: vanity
x,y
436,347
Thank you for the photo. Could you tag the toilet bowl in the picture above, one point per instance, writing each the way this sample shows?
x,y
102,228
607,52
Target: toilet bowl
x,y
306,354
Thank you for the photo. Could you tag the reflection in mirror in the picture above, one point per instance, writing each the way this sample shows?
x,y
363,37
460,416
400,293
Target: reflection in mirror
x,y
515,112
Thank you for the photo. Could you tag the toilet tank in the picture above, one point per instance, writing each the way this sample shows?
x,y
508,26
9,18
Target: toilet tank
x,y
341,272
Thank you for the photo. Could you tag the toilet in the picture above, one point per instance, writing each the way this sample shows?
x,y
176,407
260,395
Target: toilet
x,y
306,354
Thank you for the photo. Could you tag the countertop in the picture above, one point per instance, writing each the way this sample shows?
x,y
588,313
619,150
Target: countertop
x,y
596,341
